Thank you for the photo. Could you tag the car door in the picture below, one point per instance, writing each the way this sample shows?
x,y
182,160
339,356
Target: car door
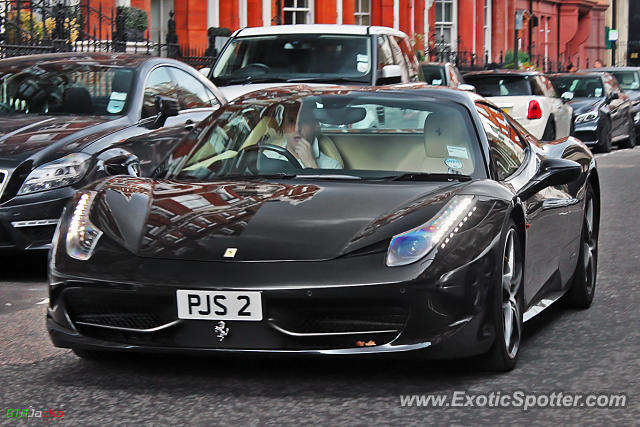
x,y
617,106
196,103
562,113
514,164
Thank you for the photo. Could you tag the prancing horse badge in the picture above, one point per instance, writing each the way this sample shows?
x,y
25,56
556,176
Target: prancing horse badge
x,y
230,252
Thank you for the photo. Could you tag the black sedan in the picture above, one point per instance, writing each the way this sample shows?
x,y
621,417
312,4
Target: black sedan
x,y
62,118
602,113
332,221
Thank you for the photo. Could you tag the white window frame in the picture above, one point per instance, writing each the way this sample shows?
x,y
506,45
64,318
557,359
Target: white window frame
x,y
309,10
453,24
358,13
488,9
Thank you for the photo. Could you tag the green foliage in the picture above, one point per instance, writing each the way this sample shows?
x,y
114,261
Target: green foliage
x,y
523,58
24,22
135,19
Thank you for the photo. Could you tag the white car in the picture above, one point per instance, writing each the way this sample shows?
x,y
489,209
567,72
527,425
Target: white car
x,y
528,97
261,57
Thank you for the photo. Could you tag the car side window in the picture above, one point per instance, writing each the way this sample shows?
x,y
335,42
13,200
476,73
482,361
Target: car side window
x,y
159,83
385,56
506,149
409,57
192,93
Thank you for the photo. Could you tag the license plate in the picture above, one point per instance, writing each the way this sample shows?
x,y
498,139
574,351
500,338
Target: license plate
x,y
219,305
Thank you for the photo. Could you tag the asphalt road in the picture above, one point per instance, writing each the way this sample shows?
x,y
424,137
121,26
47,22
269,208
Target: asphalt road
x,y
592,351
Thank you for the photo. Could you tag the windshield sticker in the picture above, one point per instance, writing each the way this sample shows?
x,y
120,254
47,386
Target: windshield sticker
x,y
362,67
116,102
453,163
362,58
455,151
436,82
598,91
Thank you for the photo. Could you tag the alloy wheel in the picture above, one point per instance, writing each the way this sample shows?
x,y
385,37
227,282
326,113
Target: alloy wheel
x,y
511,307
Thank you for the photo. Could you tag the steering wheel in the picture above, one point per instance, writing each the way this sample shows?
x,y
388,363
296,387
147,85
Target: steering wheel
x,y
280,150
259,65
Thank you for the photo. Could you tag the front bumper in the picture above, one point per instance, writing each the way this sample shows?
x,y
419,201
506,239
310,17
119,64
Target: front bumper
x,y
27,222
588,133
445,317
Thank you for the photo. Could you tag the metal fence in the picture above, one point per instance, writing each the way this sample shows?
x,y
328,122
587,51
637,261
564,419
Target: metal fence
x,y
30,27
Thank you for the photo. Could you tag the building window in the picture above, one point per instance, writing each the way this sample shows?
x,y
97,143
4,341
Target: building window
x,y
487,29
445,24
297,11
363,12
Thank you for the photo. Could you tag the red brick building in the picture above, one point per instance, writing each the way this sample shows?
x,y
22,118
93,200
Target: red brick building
x,y
567,31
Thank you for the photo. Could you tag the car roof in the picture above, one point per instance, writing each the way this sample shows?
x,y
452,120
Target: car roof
x,y
106,58
316,29
504,73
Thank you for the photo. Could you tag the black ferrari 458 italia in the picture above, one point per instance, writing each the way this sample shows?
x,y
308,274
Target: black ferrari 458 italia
x,y
332,221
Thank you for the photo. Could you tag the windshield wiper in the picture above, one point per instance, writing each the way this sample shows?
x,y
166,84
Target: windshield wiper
x,y
421,176
325,80
251,79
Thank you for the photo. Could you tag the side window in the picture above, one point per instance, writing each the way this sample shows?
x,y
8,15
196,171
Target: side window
x,y
409,57
506,149
385,57
192,93
398,58
159,82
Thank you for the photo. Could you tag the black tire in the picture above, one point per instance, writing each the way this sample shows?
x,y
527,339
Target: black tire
x,y
503,355
604,138
583,284
631,141
90,354
549,133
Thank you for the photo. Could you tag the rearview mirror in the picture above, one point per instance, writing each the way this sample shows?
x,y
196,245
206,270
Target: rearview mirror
x,y
552,172
467,87
566,96
390,74
166,107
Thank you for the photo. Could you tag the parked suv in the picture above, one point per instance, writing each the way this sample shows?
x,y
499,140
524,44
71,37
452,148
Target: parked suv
x,y
256,58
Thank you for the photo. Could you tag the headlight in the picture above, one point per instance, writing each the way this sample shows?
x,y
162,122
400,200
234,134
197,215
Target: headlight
x,y
413,245
587,117
58,173
82,235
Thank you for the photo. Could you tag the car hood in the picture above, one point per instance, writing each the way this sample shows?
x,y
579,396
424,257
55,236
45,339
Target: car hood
x,y
234,91
261,220
584,105
634,95
23,135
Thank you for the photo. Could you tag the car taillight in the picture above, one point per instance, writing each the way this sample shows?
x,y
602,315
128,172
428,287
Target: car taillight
x,y
535,112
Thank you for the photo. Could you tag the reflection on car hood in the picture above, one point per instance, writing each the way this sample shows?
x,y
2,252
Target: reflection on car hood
x,y
265,220
584,105
234,91
633,94
23,135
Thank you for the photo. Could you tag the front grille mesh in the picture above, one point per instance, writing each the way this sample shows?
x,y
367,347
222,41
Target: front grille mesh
x,y
122,320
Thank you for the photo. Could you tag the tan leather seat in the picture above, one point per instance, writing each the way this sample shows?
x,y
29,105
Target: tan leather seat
x,y
267,126
445,141
329,148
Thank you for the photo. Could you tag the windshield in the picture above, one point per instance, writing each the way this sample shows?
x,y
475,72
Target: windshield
x,y
434,75
65,88
580,86
361,135
499,85
294,57
628,80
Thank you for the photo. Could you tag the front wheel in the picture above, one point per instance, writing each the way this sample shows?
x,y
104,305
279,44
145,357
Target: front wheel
x,y
507,306
583,285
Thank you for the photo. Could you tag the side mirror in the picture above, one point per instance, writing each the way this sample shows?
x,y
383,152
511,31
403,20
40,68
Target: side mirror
x,y
566,97
467,87
166,107
117,161
390,74
552,172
